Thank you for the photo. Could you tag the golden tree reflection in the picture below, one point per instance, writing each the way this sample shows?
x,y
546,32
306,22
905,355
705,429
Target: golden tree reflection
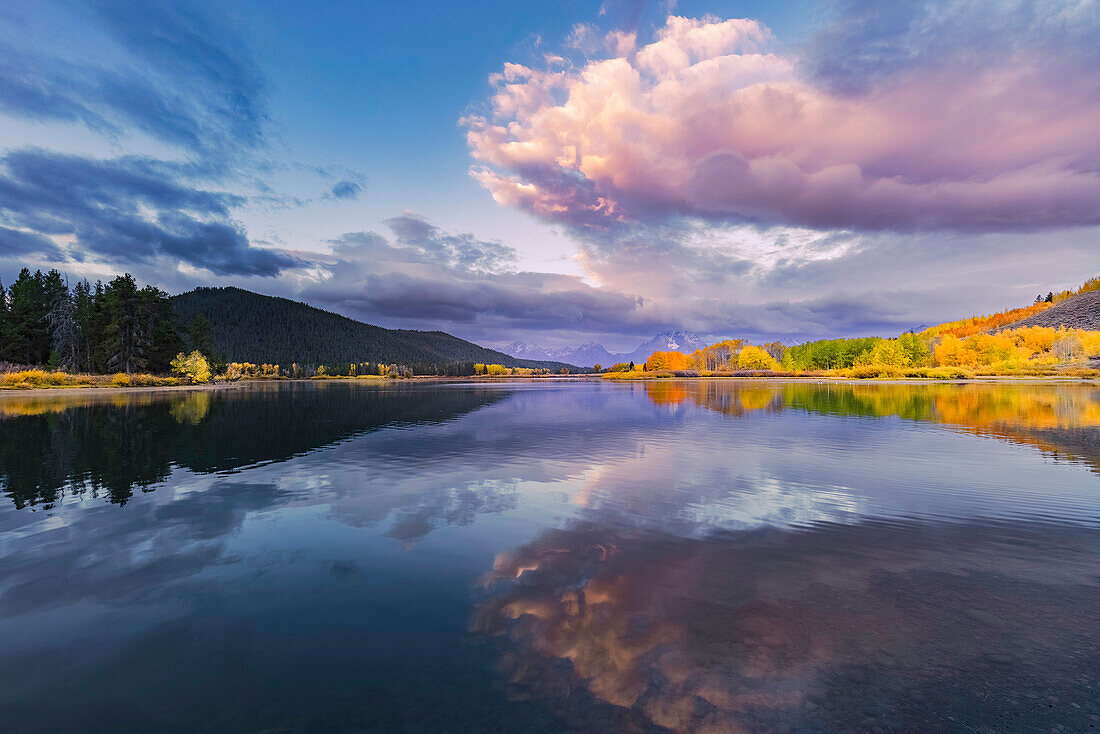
x,y
1037,414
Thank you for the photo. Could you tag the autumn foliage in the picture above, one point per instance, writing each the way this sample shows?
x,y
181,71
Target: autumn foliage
x,y
666,361
958,349
755,358
979,324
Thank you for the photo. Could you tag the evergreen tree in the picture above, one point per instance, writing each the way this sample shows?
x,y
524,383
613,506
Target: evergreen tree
x,y
53,289
82,315
65,334
97,329
28,341
126,337
164,338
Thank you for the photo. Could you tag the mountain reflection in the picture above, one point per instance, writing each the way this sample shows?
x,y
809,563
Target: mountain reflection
x,y
888,626
111,445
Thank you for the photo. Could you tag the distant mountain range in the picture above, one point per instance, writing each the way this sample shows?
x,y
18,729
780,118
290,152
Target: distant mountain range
x,y
592,353
250,327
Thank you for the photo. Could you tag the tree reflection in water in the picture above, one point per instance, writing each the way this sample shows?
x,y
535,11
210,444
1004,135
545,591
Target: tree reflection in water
x,y
111,445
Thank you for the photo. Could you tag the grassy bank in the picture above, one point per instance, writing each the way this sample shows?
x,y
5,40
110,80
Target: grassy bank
x,y
48,379
38,379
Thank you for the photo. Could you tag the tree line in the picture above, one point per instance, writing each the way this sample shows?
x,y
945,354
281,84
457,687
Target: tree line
x,y
119,327
93,327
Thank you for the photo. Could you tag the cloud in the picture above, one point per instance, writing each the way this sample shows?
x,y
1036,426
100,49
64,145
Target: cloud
x,y
461,251
125,210
346,190
18,242
867,45
423,274
708,121
168,80
160,69
791,285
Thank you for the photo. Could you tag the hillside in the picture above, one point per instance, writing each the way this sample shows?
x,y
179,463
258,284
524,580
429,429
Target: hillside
x,y
1077,312
1047,311
250,327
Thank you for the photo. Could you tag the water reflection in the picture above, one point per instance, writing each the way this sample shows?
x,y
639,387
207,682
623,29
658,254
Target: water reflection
x,y
544,557
1061,419
880,626
112,445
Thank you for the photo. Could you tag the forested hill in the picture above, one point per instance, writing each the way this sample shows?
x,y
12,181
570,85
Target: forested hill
x,y
250,327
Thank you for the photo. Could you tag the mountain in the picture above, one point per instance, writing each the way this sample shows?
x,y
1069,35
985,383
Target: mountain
x,y
593,353
521,350
670,341
250,327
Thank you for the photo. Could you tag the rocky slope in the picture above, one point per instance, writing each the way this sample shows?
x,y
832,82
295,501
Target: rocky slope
x,y
1078,312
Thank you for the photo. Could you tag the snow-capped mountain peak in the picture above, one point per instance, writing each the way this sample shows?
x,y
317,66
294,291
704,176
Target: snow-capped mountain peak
x,y
523,350
591,353
678,341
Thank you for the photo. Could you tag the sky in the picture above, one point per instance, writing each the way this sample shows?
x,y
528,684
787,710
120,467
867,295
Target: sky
x,y
555,173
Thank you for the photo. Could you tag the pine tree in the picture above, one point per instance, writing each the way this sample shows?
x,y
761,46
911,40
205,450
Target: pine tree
x,y
96,331
164,338
28,341
126,338
82,314
65,334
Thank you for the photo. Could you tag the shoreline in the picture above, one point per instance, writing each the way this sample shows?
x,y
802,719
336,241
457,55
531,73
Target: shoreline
x,y
242,384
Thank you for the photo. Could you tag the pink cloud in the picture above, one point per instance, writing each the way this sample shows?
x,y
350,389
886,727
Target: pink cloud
x,y
705,121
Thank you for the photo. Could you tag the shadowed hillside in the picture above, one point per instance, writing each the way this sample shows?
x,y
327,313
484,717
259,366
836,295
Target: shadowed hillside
x,y
250,327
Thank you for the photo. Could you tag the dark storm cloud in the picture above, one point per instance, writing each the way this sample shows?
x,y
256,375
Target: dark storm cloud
x,y
129,210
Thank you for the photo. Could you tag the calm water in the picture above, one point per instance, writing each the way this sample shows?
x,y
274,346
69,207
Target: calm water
x,y
552,556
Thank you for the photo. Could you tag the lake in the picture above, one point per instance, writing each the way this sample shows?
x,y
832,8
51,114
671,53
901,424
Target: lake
x,y
552,556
